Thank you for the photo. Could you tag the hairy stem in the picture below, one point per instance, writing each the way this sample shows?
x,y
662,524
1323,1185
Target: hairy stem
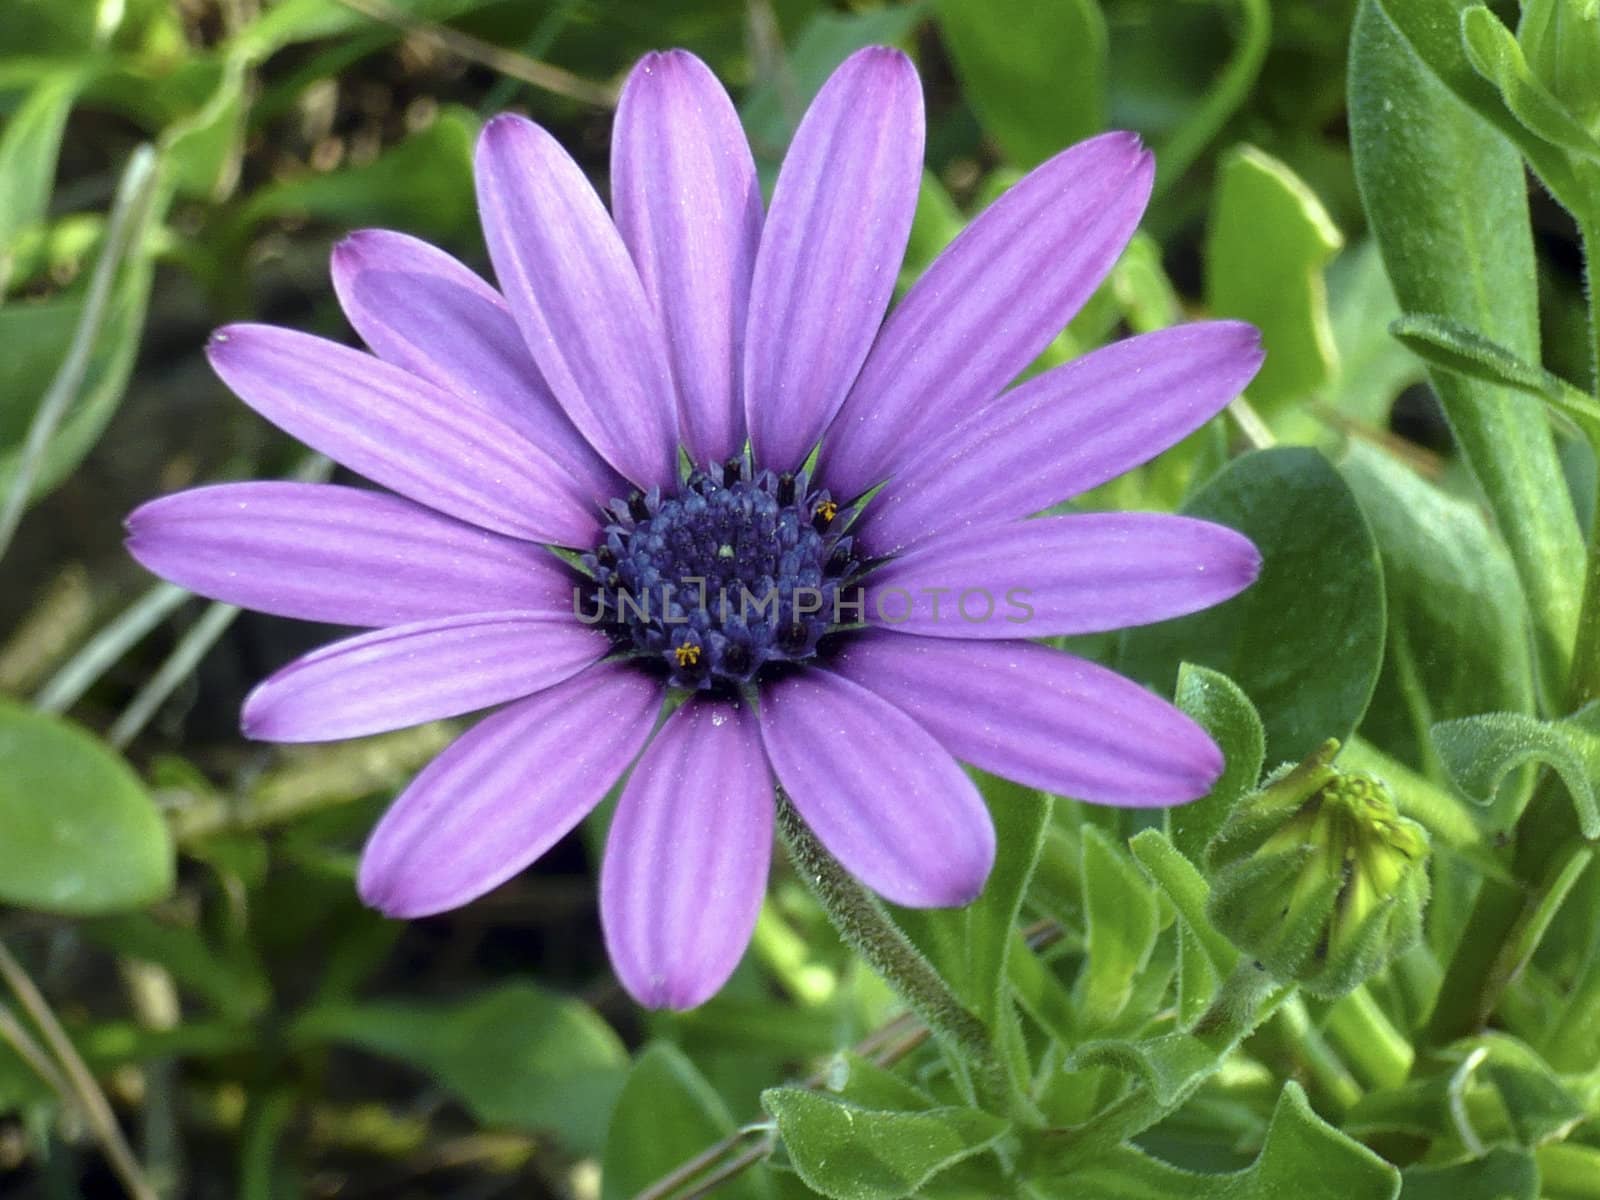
x,y
867,929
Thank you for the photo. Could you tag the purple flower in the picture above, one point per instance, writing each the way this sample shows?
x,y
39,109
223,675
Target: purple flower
x,y
847,624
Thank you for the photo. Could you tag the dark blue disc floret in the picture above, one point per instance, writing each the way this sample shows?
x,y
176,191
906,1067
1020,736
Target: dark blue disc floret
x,y
739,573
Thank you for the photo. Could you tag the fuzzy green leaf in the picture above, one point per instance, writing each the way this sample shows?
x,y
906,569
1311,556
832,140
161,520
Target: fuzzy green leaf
x,y
1123,921
1431,31
1481,751
1495,54
1225,712
848,1153
1447,201
1459,348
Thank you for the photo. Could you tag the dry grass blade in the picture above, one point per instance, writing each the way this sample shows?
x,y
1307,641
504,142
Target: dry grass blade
x,y
507,62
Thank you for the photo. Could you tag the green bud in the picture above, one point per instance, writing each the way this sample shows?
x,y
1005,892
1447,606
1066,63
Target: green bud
x,y
1561,41
1318,877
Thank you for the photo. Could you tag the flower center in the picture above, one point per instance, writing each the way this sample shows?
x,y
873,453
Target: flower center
x,y
741,572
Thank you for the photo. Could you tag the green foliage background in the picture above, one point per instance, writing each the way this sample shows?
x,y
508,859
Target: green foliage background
x,y
183,953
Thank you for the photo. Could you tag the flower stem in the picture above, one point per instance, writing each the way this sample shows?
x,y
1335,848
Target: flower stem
x,y
1320,1061
1369,1041
868,930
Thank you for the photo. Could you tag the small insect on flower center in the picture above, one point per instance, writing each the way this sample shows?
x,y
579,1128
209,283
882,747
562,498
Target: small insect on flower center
x,y
739,574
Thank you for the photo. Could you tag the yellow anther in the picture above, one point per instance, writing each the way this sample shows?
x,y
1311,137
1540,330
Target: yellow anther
x,y
687,654
827,510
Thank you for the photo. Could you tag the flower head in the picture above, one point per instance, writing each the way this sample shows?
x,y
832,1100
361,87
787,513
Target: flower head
x,y
808,527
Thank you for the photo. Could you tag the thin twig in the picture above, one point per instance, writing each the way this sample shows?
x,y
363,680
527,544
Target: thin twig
x,y
67,686
180,664
690,1171
16,1035
497,58
96,1108
1251,425
734,1166
135,197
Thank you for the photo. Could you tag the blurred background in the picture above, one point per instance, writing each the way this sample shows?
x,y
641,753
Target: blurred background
x,y
170,165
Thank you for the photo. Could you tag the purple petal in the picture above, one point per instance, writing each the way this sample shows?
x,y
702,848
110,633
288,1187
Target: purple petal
x,y
688,204
1084,573
835,235
577,299
879,791
319,552
989,304
425,671
420,309
1040,717
400,431
686,861
1069,430
506,791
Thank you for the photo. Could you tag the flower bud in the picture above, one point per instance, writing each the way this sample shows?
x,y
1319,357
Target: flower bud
x,y
1561,41
1318,877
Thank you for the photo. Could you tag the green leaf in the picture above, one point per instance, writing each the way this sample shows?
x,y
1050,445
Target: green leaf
x,y
1537,1104
1481,751
82,837
666,1114
202,151
1223,710
29,148
772,109
1373,368
1309,1159
424,185
1306,640
78,350
1501,1174
1122,921
290,21
1459,636
1181,882
1431,31
1447,201
867,1085
1169,1067
238,989
1460,348
1232,86
516,1056
1495,54
1035,74
1040,993
848,1153
1268,243
1303,1157
1561,39
968,946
